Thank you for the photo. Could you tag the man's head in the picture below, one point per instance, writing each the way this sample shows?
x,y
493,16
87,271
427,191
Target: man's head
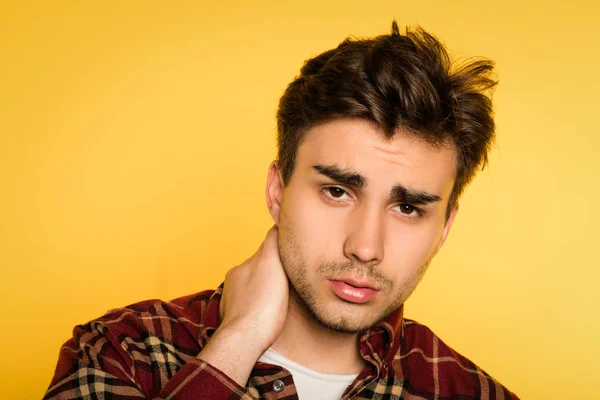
x,y
377,140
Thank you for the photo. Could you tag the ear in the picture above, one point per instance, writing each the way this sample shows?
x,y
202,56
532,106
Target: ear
x,y
274,192
447,228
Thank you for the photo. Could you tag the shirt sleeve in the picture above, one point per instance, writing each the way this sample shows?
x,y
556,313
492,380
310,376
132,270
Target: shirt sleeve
x,y
200,380
94,364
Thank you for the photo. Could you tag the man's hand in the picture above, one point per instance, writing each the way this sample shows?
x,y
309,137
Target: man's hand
x,y
255,295
253,310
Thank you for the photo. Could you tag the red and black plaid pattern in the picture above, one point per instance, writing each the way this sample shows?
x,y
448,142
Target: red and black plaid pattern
x,y
148,351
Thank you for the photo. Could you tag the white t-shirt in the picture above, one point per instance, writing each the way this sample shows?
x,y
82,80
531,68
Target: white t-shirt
x,y
310,384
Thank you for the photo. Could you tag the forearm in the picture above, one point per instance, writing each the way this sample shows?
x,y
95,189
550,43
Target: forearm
x,y
234,352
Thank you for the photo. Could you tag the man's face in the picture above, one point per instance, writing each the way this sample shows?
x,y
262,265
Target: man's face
x,y
360,220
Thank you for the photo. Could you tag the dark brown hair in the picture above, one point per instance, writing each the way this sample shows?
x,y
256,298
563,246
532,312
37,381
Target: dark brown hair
x,y
397,81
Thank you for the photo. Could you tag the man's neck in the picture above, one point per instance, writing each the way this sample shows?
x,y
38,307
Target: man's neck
x,y
311,344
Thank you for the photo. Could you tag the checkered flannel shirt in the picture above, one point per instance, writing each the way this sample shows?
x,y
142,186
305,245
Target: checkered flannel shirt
x,y
148,351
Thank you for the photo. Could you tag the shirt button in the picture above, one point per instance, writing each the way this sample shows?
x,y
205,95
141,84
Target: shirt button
x,y
278,385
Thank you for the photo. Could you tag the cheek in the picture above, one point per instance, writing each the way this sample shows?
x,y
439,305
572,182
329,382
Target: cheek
x,y
410,248
315,227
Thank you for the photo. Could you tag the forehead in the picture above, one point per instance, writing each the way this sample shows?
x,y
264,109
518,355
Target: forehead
x,y
360,146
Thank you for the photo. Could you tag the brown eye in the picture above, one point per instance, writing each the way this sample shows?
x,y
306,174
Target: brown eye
x,y
336,192
407,208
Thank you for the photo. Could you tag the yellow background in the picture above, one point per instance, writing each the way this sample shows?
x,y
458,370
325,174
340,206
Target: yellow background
x,y
135,139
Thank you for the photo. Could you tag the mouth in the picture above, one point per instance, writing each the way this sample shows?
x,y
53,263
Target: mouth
x,y
353,290
358,283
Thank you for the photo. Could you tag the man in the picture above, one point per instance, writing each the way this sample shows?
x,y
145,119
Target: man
x,y
377,140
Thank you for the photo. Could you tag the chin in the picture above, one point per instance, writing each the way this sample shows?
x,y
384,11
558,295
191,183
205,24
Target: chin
x,y
346,325
347,320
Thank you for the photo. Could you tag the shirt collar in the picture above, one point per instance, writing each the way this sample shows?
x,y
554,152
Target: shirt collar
x,y
211,315
378,344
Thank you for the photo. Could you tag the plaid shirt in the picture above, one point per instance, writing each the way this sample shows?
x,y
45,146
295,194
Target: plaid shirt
x,y
148,351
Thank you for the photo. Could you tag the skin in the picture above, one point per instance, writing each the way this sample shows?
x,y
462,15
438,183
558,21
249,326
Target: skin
x,y
338,218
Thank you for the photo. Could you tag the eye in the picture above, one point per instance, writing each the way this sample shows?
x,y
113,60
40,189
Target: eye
x,y
412,211
335,193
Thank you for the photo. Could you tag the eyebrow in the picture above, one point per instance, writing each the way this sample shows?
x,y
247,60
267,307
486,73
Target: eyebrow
x,y
415,197
342,176
354,179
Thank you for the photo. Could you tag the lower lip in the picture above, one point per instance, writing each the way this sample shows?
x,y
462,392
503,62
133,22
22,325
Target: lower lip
x,y
351,293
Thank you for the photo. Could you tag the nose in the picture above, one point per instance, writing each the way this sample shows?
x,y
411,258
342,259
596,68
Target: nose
x,y
364,240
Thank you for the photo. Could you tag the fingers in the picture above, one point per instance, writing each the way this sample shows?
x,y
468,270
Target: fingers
x,y
271,243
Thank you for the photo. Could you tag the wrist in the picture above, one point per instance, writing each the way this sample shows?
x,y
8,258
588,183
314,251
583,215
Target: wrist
x,y
251,335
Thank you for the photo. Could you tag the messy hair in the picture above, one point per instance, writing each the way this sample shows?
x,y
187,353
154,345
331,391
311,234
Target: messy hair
x,y
401,82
